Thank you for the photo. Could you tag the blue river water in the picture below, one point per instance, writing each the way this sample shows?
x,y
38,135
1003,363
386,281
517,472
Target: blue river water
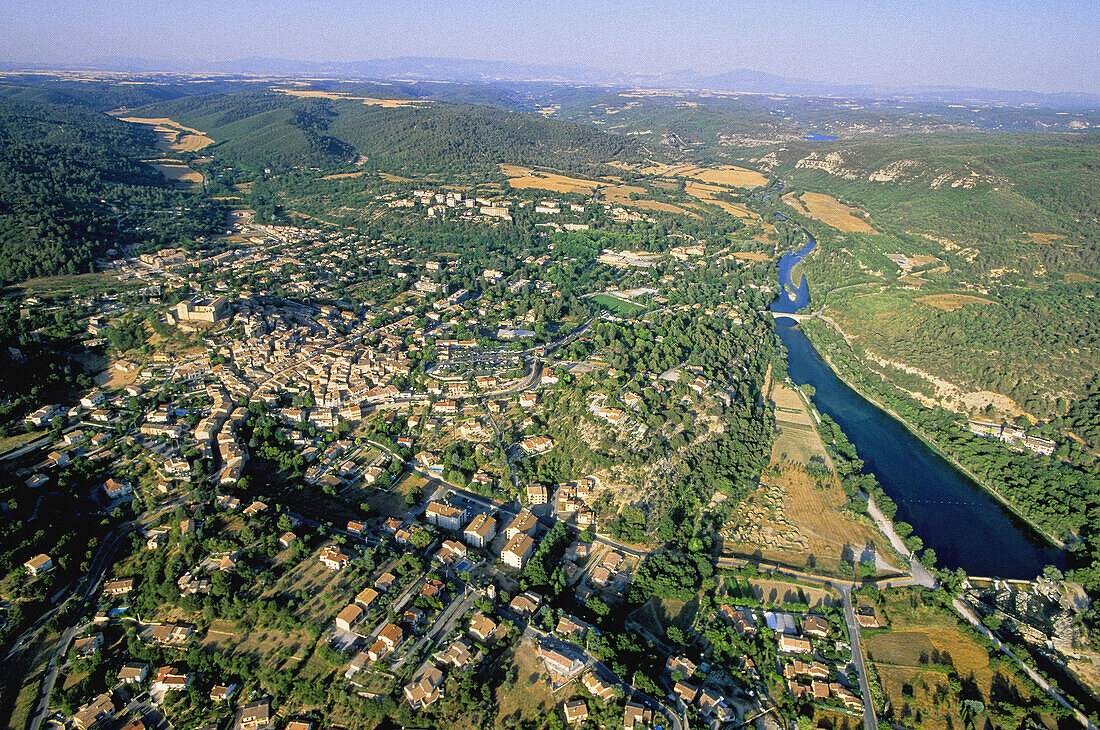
x,y
966,526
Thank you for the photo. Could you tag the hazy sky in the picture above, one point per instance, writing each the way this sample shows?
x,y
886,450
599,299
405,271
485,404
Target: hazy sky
x,y
1043,45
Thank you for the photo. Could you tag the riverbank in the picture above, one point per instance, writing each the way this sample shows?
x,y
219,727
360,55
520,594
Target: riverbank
x,y
912,429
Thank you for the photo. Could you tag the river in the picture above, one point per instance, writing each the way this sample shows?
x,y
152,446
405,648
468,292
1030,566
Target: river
x,y
966,526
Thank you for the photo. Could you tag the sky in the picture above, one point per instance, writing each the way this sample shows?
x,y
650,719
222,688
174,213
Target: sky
x,y
1046,45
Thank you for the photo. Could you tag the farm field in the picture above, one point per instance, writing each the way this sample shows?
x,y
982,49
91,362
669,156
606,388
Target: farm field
x,y
828,209
777,591
795,516
951,302
926,663
178,172
727,175
337,96
173,136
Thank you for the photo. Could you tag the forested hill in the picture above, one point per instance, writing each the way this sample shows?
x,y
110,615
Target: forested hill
x,y
273,129
65,172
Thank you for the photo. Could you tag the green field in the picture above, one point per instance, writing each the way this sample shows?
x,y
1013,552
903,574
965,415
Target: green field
x,y
616,306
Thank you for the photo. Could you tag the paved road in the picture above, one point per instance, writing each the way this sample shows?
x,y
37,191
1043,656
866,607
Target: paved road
x,y
441,627
90,584
870,722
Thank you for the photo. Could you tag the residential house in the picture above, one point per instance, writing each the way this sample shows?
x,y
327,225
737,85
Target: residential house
x,y
38,565
90,715
525,523
349,617
517,551
576,711
133,673
256,715
481,627
425,688
480,532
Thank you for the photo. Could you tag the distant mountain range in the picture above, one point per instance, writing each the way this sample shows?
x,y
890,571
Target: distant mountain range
x,y
503,72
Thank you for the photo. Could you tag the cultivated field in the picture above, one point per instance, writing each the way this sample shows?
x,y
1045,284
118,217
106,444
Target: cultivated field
x,y
753,256
369,100
173,136
951,302
828,209
905,658
777,591
727,175
178,172
794,517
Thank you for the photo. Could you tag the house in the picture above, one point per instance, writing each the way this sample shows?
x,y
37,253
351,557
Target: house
x,y
425,688
356,665
445,516
681,664
334,558
528,400
256,715
481,627
114,489
385,581
686,692
570,625
459,654
524,522
172,634
815,626
355,528
349,617
794,645
597,686
517,551
599,576
525,604
170,679
536,445
38,565
636,716
536,494
450,552
366,597
133,673
36,480
222,692
867,618
389,638
286,538
714,705
560,661
481,530
119,587
100,709
88,645
576,711
299,725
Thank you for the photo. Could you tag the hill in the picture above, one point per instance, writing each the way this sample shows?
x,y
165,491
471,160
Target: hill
x,y
280,130
72,185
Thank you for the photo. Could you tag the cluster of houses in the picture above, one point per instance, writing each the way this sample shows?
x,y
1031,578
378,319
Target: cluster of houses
x,y
1013,435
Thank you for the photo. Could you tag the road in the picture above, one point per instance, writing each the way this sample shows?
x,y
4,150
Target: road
x,y
441,627
870,722
90,582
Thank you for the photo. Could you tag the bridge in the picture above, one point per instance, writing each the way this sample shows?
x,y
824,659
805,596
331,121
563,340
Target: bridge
x,y
797,317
